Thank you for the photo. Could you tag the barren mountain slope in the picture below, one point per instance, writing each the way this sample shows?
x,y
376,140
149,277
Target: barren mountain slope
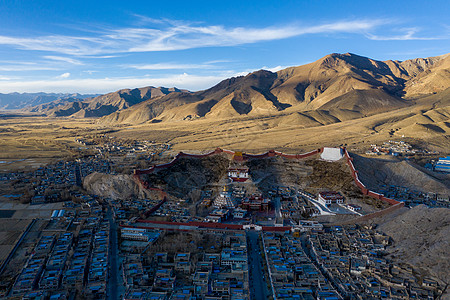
x,y
375,172
428,75
150,109
365,101
421,239
27,101
53,105
335,75
230,98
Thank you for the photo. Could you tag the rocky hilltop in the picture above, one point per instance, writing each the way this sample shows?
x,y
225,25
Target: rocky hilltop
x,y
120,186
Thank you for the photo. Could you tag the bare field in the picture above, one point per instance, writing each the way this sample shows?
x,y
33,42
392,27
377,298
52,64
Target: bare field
x,y
420,238
10,230
28,211
20,257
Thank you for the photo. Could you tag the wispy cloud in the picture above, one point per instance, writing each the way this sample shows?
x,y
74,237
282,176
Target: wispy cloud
x,y
64,59
177,35
408,35
144,20
90,72
27,67
48,63
189,36
171,66
100,56
217,61
58,43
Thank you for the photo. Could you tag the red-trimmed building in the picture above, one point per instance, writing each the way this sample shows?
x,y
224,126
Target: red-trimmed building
x,y
328,198
237,171
238,174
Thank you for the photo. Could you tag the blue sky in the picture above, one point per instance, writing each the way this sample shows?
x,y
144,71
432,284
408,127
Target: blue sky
x,y
102,46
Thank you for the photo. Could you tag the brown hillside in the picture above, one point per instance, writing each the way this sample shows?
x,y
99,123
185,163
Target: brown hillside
x,y
375,172
365,102
420,238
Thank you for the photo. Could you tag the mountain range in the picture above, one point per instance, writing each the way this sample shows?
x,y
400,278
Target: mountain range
x,y
335,88
28,100
101,105
339,86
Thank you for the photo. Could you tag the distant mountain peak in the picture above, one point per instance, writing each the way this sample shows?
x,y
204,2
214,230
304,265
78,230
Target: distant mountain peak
x,y
22,100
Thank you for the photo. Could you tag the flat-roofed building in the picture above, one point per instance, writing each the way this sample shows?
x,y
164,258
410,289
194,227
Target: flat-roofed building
x,y
233,256
239,213
138,234
443,165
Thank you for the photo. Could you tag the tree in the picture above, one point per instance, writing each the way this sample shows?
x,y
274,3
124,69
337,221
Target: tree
x,y
26,197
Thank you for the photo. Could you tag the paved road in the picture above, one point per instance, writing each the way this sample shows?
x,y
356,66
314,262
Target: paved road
x,y
113,258
277,204
257,283
78,177
310,253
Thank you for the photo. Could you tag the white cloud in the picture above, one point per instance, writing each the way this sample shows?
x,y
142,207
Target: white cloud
x,y
90,72
64,75
104,85
274,69
188,36
217,61
57,43
170,66
244,73
26,67
100,56
64,59
176,35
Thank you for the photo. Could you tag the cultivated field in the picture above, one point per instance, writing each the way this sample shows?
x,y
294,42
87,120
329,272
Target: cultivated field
x,y
30,142
10,231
